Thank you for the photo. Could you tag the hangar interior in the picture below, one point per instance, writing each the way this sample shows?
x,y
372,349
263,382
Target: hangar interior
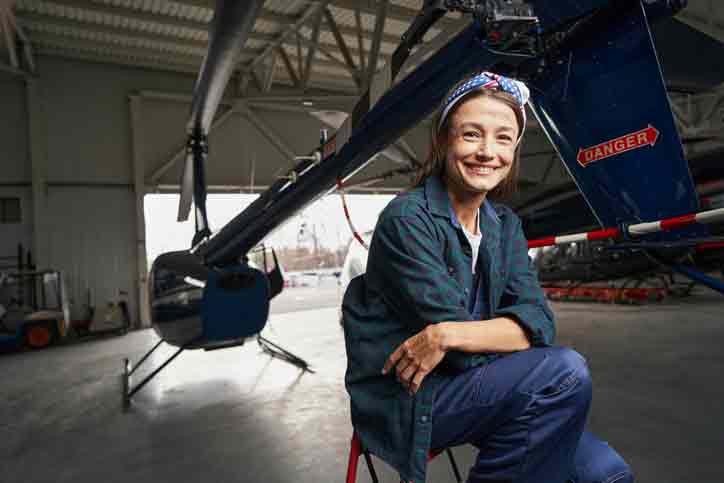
x,y
95,97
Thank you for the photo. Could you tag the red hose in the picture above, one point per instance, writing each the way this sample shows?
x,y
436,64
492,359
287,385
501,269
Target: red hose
x,y
340,188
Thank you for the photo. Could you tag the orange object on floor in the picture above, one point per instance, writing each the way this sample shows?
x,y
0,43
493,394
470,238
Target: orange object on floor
x,y
38,337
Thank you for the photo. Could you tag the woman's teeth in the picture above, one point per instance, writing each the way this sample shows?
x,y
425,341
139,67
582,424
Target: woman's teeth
x,y
479,169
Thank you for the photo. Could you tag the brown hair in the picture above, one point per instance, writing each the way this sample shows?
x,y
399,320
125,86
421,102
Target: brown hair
x,y
434,164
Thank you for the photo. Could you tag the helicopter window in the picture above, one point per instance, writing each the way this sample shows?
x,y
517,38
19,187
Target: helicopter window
x,y
263,259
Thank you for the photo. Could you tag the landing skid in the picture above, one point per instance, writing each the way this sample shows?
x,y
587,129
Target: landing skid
x,y
266,345
129,369
280,353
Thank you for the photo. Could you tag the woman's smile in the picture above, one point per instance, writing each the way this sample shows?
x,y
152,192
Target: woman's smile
x,y
479,170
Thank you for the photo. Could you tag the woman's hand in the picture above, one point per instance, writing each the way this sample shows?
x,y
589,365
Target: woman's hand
x,y
417,357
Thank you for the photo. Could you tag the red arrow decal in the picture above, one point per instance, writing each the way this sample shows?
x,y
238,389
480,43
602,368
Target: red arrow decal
x,y
622,144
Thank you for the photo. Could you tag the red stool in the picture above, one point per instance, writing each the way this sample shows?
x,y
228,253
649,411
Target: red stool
x,y
356,449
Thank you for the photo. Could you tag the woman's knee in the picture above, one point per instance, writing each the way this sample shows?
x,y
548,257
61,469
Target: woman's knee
x,y
604,466
566,372
611,470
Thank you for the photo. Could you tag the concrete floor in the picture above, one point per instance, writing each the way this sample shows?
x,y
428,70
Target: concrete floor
x,y
235,415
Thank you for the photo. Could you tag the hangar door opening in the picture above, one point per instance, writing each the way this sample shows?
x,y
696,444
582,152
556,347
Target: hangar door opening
x,y
313,242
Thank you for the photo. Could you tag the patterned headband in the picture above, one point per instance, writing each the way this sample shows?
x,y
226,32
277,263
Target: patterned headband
x,y
488,80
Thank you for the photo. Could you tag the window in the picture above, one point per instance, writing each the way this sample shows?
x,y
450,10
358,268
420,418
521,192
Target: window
x,y
10,210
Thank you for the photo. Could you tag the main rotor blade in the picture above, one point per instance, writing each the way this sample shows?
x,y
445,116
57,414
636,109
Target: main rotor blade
x,y
230,27
187,189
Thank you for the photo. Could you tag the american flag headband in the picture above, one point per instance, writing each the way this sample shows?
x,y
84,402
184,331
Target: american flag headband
x,y
489,80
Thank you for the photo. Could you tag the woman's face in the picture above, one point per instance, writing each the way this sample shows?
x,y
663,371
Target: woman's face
x,y
481,143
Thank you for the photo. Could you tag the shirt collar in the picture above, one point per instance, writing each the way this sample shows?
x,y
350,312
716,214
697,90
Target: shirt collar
x,y
438,202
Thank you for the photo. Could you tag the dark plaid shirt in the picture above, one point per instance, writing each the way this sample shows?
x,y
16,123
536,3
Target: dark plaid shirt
x,y
419,272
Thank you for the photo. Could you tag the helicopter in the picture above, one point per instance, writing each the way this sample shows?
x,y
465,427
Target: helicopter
x,y
597,92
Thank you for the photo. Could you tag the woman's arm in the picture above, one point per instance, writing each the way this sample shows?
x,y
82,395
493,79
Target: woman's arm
x,y
421,353
523,300
502,334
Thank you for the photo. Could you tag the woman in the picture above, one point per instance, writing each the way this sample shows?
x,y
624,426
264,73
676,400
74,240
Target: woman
x,y
449,337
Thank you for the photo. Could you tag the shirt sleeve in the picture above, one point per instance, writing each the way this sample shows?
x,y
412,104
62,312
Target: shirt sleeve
x,y
407,267
523,298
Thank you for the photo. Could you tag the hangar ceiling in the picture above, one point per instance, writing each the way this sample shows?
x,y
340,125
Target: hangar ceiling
x,y
306,57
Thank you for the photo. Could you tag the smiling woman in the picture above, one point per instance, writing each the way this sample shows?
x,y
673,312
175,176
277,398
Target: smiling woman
x,y
449,336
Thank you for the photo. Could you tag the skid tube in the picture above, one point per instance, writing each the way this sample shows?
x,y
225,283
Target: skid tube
x,y
129,369
279,352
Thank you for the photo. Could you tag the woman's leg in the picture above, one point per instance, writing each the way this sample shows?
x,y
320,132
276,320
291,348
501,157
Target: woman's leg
x,y
525,412
597,462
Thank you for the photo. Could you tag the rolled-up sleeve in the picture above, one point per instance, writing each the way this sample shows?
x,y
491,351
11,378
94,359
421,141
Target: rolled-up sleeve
x,y
523,298
407,267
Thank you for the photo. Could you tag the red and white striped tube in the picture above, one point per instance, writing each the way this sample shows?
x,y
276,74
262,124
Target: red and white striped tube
x,y
704,218
340,188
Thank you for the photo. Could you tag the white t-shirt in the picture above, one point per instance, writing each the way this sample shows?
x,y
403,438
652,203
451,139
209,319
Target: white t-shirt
x,y
474,240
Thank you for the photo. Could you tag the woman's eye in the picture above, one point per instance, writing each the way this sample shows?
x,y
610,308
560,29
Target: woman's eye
x,y
505,137
471,135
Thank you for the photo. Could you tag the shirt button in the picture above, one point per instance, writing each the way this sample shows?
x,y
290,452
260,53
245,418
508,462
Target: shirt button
x,y
423,419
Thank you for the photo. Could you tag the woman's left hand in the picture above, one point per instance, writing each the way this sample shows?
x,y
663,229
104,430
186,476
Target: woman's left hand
x,y
416,358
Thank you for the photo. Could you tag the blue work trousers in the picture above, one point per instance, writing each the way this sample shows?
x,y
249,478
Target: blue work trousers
x,y
526,414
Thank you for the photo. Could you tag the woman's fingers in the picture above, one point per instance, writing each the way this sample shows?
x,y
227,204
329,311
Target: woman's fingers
x,y
417,381
402,364
407,374
393,359
407,360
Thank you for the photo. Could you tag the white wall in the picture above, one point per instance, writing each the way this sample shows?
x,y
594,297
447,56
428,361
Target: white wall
x,y
88,215
13,234
93,242
88,119
14,166
14,163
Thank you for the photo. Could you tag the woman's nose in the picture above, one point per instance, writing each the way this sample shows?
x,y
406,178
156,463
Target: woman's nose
x,y
484,150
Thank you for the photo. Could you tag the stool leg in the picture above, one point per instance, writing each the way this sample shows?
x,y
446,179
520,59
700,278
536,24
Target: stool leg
x,y
454,465
371,467
354,450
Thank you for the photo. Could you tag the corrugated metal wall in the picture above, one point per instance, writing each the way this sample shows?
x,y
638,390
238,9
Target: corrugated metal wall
x,y
92,241
14,165
89,227
15,175
13,234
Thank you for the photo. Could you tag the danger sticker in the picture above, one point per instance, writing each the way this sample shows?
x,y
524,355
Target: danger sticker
x,y
614,147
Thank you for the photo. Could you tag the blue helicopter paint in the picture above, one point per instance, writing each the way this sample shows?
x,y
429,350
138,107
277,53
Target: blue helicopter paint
x,y
235,303
605,108
191,302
